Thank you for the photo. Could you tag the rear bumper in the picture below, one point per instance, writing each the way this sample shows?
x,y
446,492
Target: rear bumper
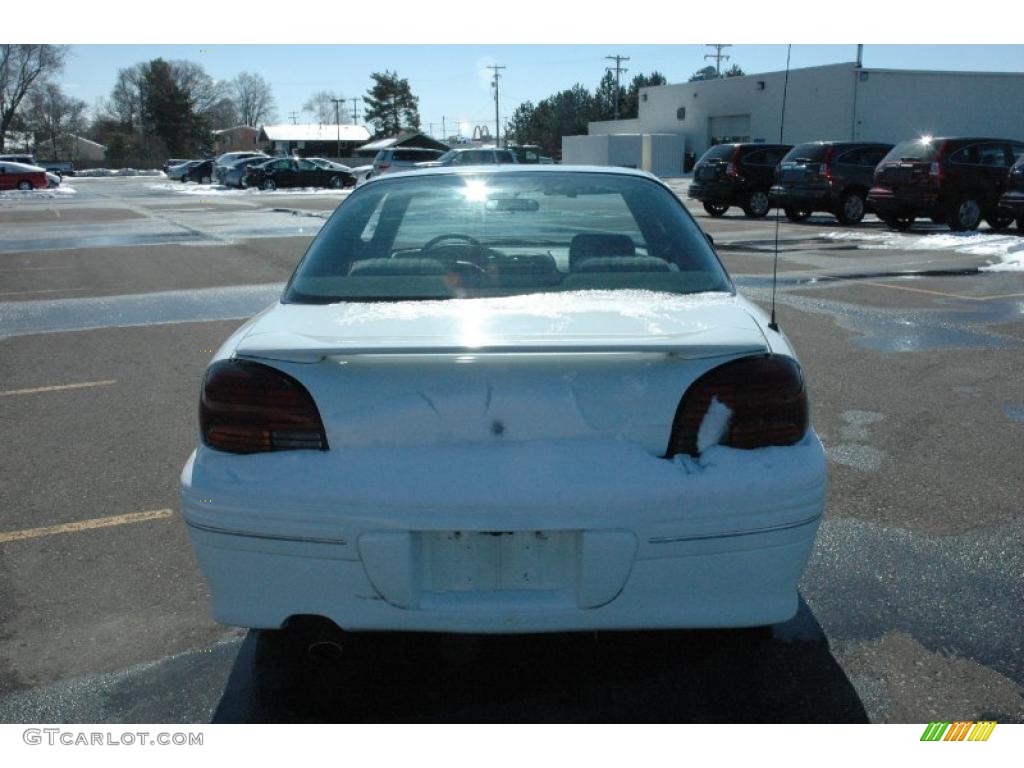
x,y
661,544
1013,203
722,193
809,198
903,202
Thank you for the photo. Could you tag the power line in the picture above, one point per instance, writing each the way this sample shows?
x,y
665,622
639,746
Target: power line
x,y
619,69
718,56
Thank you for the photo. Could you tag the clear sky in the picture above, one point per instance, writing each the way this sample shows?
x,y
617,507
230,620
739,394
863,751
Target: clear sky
x,y
452,81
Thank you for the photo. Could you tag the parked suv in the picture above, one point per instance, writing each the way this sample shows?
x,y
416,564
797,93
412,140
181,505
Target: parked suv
x,y
1012,201
737,174
956,181
829,176
472,156
401,159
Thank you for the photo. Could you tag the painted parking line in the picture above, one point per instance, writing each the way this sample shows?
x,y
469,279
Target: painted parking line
x,y
47,290
85,525
944,293
57,388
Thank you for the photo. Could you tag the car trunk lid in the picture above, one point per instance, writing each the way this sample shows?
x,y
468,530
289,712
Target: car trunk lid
x,y
540,367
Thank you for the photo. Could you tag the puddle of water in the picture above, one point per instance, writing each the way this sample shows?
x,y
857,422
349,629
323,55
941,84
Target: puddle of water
x,y
905,330
29,317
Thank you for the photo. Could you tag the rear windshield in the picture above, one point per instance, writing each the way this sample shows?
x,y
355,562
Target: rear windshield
x,y
415,155
718,152
498,234
923,150
806,153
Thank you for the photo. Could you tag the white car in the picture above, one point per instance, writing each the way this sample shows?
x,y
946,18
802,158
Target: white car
x,y
504,400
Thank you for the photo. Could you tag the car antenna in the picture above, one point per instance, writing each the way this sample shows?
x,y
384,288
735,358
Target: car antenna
x,y
775,262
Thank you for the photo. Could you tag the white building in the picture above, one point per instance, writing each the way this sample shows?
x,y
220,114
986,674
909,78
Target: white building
x,y
838,101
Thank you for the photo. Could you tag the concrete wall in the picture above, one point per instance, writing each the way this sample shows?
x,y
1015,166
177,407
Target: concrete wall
x,y
603,127
819,105
893,105
621,150
661,154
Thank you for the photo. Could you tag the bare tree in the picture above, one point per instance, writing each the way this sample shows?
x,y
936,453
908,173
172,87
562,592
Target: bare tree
x,y
253,99
126,100
56,117
203,91
21,68
321,106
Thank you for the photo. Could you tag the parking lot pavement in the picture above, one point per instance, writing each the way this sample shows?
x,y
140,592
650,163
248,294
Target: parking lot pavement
x,y
911,602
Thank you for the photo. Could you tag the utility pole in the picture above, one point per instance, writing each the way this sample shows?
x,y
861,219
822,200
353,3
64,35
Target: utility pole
x,y
293,116
444,132
619,69
497,119
337,123
718,56
355,111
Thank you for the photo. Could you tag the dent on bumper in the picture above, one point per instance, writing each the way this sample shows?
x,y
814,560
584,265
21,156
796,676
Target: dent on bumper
x,y
682,543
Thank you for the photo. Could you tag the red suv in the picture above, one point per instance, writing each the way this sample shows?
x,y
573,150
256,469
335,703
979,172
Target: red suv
x,y
954,181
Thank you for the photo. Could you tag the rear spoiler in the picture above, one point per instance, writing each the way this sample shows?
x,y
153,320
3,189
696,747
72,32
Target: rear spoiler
x,y
298,348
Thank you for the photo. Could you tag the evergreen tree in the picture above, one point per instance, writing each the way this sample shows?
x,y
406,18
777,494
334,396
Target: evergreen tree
x,y
608,98
734,71
390,104
166,111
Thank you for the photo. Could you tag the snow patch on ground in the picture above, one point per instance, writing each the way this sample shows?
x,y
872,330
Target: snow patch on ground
x,y
209,190
1009,249
34,194
102,173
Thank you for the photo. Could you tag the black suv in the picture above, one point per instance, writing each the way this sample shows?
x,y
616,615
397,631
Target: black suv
x,y
737,174
1012,201
954,181
830,176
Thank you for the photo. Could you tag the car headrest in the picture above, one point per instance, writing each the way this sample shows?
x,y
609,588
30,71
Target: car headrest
x,y
392,267
591,245
622,264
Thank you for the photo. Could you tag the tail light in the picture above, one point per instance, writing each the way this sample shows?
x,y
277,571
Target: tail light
x,y
765,395
248,407
383,166
733,169
936,170
825,170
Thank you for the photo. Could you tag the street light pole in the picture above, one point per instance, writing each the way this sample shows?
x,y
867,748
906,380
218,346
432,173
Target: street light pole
x,y
337,125
497,119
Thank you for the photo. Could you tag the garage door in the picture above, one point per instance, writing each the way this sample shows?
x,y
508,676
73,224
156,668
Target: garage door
x,y
728,128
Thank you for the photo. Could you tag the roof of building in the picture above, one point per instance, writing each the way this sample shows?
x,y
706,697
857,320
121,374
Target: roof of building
x,y
90,142
236,128
418,138
315,132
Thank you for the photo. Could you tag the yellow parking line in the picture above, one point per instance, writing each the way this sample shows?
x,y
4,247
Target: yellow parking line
x,y
57,388
85,525
944,294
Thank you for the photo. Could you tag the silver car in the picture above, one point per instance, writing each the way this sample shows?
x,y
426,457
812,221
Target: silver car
x,y
401,159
